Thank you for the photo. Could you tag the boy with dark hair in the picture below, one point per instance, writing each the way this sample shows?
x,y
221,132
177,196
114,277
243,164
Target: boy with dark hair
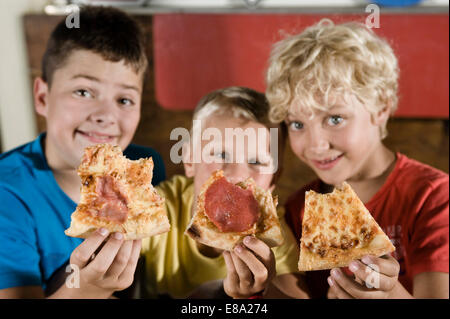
x,y
89,93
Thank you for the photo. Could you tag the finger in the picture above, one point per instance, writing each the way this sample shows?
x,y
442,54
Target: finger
x,y
232,279
243,272
101,263
231,270
371,278
127,276
349,285
336,292
121,259
258,270
81,255
260,249
386,264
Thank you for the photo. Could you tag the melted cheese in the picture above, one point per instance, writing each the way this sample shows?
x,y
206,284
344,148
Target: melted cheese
x,y
337,220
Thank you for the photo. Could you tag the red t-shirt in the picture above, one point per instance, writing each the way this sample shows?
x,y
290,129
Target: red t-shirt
x,y
412,209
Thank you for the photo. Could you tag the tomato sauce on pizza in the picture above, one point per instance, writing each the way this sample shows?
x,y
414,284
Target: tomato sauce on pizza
x,y
230,207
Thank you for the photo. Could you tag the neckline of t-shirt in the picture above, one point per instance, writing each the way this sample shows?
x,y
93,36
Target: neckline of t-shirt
x,y
389,181
47,170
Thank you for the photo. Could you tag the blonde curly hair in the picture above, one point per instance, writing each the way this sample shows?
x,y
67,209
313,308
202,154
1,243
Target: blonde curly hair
x,y
328,60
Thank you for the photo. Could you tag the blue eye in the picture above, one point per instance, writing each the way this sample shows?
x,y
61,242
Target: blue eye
x,y
335,120
295,126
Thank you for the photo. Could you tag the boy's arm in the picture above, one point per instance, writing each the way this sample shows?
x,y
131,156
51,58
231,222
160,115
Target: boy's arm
x,y
210,290
287,286
431,285
284,286
19,255
25,292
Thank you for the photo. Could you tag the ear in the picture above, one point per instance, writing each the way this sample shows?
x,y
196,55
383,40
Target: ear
x,y
40,95
381,117
188,164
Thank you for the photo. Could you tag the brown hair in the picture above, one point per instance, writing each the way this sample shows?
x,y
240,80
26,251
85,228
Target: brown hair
x,y
107,31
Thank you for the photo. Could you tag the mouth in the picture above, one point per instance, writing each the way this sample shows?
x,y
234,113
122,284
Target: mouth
x,y
327,163
97,137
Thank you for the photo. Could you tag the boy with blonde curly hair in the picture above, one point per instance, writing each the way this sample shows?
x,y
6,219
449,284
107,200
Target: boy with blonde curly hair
x,y
335,86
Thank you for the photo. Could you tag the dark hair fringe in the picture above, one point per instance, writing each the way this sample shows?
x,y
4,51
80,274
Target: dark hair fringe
x,y
107,31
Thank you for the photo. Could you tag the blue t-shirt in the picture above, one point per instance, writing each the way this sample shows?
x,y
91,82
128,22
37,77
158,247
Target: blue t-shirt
x,y
35,211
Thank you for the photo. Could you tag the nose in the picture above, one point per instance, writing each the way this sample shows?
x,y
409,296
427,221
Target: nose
x,y
317,140
104,114
236,172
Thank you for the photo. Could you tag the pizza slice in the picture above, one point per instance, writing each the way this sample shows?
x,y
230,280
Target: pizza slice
x,y
117,194
337,228
228,212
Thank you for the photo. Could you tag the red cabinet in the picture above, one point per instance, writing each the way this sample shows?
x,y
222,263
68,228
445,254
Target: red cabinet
x,y
197,53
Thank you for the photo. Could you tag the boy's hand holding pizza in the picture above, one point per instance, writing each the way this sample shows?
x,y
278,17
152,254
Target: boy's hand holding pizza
x,y
250,268
117,198
106,264
374,278
242,220
338,231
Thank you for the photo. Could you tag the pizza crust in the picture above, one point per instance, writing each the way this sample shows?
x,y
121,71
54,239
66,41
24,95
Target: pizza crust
x,y
146,215
337,228
145,225
267,228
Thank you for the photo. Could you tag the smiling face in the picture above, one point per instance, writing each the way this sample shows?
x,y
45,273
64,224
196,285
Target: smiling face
x,y
91,101
340,144
248,161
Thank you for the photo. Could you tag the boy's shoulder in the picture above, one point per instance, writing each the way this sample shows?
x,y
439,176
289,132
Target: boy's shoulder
x,y
134,152
9,158
417,175
176,188
20,162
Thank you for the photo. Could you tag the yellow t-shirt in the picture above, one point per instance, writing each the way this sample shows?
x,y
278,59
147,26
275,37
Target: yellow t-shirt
x,y
173,264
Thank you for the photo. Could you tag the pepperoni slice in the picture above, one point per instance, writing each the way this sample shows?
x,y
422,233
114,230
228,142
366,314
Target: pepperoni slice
x,y
230,207
110,204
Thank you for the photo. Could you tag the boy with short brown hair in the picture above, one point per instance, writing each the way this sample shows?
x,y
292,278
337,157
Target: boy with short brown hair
x,y
89,93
